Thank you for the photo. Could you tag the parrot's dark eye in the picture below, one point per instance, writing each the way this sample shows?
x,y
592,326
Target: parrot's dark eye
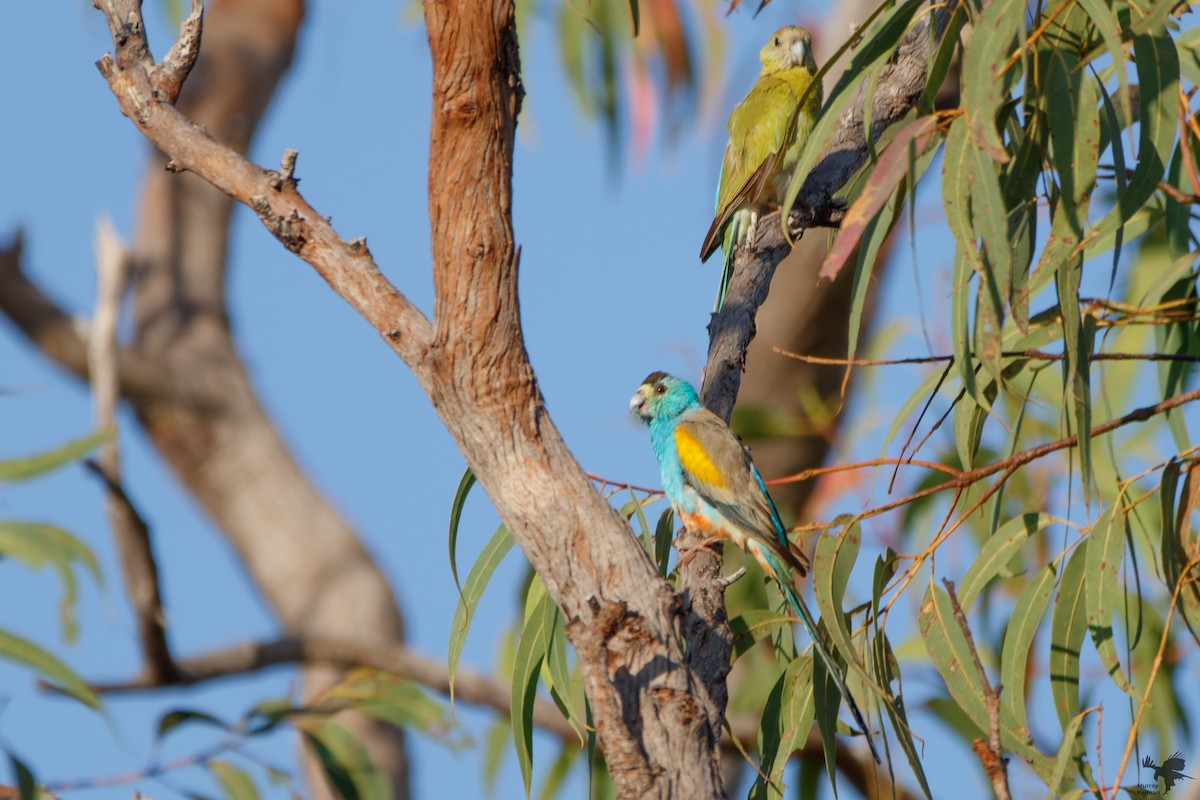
x,y
777,41
660,389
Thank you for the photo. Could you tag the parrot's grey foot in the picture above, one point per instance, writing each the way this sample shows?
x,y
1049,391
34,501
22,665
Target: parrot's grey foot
x,y
744,222
689,551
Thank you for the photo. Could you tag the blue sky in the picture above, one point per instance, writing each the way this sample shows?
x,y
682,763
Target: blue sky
x,y
610,290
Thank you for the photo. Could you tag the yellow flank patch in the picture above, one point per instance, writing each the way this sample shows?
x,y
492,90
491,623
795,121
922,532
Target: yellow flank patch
x,y
696,461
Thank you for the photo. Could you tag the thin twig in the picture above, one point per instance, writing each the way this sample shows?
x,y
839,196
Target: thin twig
x,y
917,425
129,529
1038,355
1032,38
1158,662
470,687
1017,460
1187,124
605,482
804,475
227,744
990,753
168,76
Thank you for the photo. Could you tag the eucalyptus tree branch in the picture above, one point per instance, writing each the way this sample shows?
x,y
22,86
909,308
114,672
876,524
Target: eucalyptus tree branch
x,y
348,265
64,340
658,718
470,687
129,529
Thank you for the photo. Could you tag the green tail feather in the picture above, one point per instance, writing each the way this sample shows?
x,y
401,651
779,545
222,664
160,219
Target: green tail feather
x,y
727,251
831,666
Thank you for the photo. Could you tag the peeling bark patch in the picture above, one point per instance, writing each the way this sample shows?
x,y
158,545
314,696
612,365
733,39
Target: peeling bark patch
x,y
466,110
290,230
682,707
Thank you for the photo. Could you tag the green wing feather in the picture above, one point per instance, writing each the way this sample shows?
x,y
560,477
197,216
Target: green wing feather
x,y
767,132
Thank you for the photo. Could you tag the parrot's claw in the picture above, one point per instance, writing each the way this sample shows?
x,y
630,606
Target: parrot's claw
x,y
743,224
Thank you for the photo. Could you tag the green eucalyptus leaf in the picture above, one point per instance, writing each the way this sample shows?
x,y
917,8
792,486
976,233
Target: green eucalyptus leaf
x,y
477,580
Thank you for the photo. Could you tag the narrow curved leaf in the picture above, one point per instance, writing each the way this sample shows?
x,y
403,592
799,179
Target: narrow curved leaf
x,y
346,762
495,746
951,655
880,186
664,535
886,667
21,469
1158,99
1022,626
30,655
235,783
1066,752
477,580
183,716
1187,43
943,58
827,700
37,545
787,719
456,508
27,787
531,652
832,565
556,776
752,626
1068,626
392,699
556,673
995,554
1100,14
878,231
983,87
1104,558
958,165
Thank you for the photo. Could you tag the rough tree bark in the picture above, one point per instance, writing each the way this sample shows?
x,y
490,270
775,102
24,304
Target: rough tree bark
x,y
658,723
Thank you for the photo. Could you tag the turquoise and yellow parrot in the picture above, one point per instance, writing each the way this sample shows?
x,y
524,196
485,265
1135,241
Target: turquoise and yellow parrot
x,y
767,133
716,490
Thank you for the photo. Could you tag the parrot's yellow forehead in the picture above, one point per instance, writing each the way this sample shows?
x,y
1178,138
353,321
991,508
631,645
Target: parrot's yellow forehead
x,y
788,47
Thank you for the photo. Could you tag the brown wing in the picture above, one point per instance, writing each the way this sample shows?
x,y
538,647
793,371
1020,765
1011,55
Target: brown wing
x,y
752,188
720,470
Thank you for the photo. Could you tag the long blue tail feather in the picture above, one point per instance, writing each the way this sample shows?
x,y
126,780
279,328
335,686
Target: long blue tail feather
x,y
810,625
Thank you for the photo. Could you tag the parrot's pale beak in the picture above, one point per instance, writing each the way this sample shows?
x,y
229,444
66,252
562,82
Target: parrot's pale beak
x,y
800,51
637,403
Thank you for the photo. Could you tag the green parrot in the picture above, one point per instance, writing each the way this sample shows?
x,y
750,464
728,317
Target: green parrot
x,y
767,133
